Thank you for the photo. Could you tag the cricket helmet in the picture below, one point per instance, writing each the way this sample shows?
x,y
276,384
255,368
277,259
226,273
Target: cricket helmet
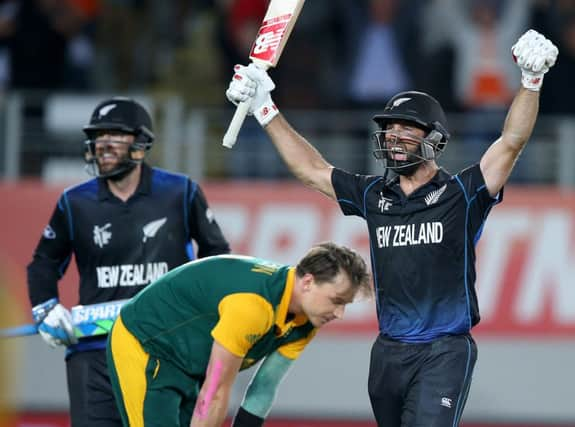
x,y
119,114
423,111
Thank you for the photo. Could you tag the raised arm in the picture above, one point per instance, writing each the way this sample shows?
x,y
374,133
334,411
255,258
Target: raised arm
x,y
534,54
253,85
212,404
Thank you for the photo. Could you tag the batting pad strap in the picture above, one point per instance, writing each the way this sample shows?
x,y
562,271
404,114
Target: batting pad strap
x,y
262,389
266,112
245,419
40,311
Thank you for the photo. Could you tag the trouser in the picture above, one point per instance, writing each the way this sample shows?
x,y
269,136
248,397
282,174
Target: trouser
x,y
421,384
150,392
92,402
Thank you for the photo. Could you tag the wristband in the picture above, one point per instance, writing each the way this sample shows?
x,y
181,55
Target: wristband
x,y
266,112
40,311
244,418
531,81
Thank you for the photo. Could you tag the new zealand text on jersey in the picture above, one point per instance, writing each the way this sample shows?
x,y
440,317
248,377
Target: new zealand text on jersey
x,y
409,234
130,274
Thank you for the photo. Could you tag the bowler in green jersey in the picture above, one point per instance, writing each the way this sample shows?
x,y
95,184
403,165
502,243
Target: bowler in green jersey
x,y
176,348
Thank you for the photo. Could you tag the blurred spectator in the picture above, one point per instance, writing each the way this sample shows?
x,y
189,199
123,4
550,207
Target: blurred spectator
x,y
122,25
8,10
81,44
385,58
557,18
39,41
480,33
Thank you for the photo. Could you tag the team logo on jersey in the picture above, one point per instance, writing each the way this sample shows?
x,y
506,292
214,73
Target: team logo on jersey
x,y
434,196
446,402
105,110
151,229
49,233
384,203
102,235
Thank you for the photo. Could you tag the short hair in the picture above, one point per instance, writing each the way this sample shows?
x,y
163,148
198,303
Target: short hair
x,y
326,260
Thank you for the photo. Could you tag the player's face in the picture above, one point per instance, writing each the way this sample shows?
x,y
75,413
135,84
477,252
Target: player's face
x,y
324,302
403,139
111,149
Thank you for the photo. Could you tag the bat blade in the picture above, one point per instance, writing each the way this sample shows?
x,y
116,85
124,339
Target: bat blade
x,y
274,32
268,46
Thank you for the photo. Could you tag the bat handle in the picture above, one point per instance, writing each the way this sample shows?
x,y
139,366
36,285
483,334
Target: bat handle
x,y
235,125
19,331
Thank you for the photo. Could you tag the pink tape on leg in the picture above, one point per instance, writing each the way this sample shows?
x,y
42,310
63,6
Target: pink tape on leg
x,y
203,406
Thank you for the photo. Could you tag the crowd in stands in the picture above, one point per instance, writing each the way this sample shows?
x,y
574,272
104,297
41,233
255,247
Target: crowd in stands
x,y
342,54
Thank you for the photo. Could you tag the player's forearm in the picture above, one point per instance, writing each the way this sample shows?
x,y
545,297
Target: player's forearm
x,y
210,412
521,119
299,155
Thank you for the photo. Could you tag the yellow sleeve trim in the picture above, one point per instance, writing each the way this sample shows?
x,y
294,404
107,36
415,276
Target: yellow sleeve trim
x,y
293,349
244,319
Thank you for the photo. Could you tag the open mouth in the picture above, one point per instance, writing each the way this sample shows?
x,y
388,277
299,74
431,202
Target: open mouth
x,y
397,153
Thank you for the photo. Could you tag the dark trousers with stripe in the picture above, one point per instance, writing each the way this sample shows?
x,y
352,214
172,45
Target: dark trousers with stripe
x,y
423,384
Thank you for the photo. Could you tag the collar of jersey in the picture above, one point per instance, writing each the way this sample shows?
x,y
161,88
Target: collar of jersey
x,y
144,186
282,310
440,177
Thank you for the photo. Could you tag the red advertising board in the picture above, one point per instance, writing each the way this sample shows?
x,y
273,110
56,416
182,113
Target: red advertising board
x,y
525,263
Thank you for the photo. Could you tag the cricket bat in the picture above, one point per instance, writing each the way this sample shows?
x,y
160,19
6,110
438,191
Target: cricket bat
x,y
88,320
270,41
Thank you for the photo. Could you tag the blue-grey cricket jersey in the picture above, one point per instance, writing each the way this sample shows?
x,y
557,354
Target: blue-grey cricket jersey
x,y
422,249
121,247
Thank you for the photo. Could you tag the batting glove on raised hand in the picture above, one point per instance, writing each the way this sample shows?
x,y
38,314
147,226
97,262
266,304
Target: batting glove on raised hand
x,y
534,54
54,323
252,84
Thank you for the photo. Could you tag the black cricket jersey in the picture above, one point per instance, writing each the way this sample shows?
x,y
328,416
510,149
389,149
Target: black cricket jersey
x,y
121,247
422,249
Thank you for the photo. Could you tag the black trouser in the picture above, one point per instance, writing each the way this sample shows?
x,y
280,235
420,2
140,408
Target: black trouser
x,y
92,402
421,385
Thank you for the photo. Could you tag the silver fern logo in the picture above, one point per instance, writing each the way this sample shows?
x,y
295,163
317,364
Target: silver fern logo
x,y
400,101
151,228
105,110
434,196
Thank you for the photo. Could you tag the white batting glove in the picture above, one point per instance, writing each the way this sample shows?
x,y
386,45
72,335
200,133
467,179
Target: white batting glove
x,y
534,54
55,323
252,84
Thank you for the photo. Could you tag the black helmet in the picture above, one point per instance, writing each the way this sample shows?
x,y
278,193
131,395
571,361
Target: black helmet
x,y
121,115
425,112
124,115
416,107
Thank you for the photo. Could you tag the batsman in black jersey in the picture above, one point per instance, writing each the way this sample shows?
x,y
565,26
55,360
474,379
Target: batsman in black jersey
x,y
423,226
126,228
